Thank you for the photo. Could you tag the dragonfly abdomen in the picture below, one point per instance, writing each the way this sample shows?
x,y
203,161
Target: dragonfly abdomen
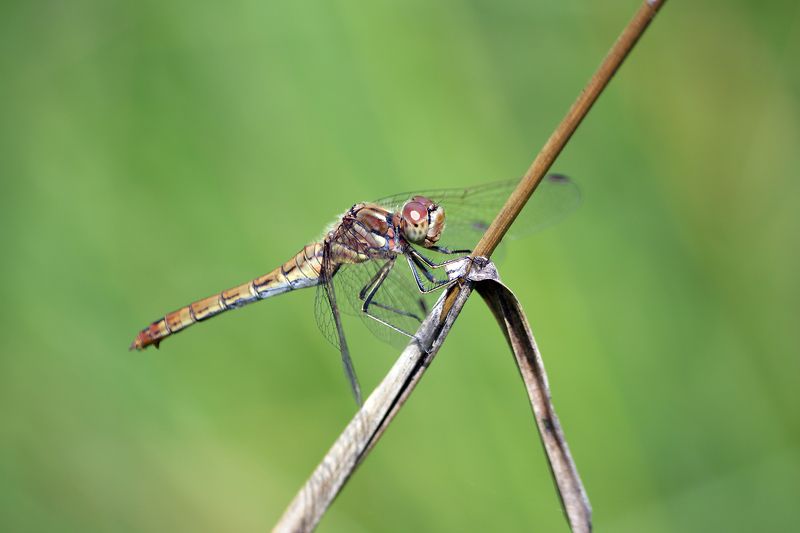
x,y
302,270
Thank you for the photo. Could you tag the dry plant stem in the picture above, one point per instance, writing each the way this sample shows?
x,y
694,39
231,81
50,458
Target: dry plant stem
x,y
369,424
371,421
630,35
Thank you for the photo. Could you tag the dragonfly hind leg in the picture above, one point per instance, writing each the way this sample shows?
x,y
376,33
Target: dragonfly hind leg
x,y
390,308
367,296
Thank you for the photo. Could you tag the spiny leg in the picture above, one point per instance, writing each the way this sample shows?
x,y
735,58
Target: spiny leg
x,y
395,310
437,284
448,251
428,274
415,253
378,277
372,287
368,293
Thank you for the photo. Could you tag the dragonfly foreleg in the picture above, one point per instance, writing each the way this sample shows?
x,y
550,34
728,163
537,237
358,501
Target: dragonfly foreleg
x,y
412,251
448,251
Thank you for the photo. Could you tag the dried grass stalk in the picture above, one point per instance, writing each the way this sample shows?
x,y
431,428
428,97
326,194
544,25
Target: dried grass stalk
x,y
361,434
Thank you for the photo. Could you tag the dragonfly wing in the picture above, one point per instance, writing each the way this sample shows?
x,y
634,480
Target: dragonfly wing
x,y
556,197
323,313
396,308
469,211
326,311
384,285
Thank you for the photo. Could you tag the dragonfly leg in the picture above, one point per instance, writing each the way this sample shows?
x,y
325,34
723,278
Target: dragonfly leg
x,y
377,279
368,293
392,309
429,262
421,286
428,274
370,289
448,251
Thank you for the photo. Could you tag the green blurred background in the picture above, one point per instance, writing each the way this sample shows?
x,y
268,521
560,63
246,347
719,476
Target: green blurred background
x,y
153,153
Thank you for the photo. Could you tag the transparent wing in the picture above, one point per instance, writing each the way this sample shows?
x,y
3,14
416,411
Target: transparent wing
x,y
469,211
326,312
391,297
323,313
384,285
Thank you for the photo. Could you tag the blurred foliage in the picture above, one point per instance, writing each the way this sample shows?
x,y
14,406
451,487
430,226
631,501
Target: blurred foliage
x,y
153,153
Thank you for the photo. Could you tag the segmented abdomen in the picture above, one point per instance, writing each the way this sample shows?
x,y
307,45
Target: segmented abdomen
x,y
303,270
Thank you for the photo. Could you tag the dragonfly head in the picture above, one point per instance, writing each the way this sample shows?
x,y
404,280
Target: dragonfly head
x,y
422,221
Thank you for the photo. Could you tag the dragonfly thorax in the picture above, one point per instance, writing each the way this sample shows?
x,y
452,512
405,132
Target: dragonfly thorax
x,y
422,221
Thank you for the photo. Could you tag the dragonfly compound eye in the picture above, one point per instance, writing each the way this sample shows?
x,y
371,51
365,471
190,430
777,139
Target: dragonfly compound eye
x,y
414,221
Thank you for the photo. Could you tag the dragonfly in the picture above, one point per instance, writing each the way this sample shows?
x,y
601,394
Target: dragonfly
x,y
379,260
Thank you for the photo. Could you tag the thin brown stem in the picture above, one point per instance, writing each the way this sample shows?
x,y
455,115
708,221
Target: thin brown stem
x,y
626,41
363,432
